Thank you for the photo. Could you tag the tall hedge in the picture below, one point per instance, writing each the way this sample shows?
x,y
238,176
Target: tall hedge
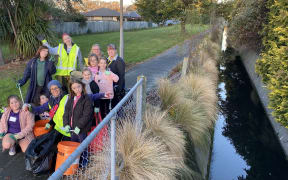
x,y
273,65
246,22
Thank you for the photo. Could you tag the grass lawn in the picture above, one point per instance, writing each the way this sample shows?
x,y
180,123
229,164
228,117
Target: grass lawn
x,y
139,46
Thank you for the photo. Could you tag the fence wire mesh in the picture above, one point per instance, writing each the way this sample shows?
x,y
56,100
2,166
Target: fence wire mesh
x,y
95,160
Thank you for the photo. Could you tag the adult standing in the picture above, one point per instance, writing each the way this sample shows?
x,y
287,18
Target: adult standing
x,y
39,70
95,50
70,58
117,65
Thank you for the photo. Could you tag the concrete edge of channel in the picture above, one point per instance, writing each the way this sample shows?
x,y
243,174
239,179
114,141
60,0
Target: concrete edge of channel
x,y
249,58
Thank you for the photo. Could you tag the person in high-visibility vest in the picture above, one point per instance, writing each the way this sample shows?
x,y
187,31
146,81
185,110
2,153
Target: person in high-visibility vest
x,y
55,106
70,58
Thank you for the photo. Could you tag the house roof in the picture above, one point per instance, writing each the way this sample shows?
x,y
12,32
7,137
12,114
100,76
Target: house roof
x,y
102,12
132,14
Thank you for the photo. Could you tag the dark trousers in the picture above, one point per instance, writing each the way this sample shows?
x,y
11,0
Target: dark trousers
x,y
79,138
117,98
36,99
104,107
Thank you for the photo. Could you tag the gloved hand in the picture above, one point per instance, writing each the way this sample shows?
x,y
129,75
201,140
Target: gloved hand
x,y
18,85
47,126
107,72
14,137
67,128
96,110
40,37
26,107
76,130
2,135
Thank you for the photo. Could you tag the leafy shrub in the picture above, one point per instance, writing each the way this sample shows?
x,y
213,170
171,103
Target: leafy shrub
x,y
247,22
273,66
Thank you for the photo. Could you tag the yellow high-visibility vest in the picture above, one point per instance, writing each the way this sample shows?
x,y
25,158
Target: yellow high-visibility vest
x,y
66,63
58,117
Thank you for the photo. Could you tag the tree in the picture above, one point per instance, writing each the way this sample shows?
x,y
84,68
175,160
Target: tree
x,y
131,7
183,10
89,5
152,10
22,20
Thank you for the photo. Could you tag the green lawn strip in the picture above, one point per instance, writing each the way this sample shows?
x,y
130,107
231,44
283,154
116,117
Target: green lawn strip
x,y
7,52
8,84
139,46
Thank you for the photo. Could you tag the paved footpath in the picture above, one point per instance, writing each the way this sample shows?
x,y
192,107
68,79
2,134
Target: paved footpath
x,y
13,168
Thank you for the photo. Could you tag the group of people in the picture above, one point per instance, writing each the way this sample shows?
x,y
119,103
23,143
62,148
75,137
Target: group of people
x,y
69,103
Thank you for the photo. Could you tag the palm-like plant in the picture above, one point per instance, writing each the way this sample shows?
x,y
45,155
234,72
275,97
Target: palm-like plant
x,y
21,21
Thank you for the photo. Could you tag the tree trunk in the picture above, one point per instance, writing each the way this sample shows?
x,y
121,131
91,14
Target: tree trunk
x,y
1,58
183,29
12,24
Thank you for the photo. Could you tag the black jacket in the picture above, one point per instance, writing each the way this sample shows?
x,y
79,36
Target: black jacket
x,y
31,73
95,89
82,114
118,67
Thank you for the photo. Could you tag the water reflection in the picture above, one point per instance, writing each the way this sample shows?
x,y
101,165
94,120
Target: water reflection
x,y
248,130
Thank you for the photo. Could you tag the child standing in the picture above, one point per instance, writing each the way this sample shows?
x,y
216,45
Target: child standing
x,y
39,70
93,64
105,78
91,86
16,126
78,114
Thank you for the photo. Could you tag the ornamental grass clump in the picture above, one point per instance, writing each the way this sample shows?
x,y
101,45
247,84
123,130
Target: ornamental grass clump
x,y
167,93
159,125
139,156
201,90
189,115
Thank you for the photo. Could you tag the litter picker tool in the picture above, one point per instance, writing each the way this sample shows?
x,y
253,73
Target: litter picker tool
x,y
15,79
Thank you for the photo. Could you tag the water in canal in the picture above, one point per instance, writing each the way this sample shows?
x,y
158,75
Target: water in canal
x,y
244,146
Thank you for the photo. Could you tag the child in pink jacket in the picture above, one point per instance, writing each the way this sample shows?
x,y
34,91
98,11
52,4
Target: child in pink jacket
x,y
105,78
16,126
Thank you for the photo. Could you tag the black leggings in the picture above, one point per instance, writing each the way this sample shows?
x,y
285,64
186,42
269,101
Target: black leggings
x,y
104,107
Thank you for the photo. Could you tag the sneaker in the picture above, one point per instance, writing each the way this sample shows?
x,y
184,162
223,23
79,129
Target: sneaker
x,y
12,151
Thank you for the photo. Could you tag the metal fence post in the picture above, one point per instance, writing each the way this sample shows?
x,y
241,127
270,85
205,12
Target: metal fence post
x,y
113,147
184,67
140,100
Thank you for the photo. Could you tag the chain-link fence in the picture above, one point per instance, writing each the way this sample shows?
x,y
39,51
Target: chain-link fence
x,y
95,157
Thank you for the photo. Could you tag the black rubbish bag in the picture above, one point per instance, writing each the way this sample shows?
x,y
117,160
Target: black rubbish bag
x,y
41,152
